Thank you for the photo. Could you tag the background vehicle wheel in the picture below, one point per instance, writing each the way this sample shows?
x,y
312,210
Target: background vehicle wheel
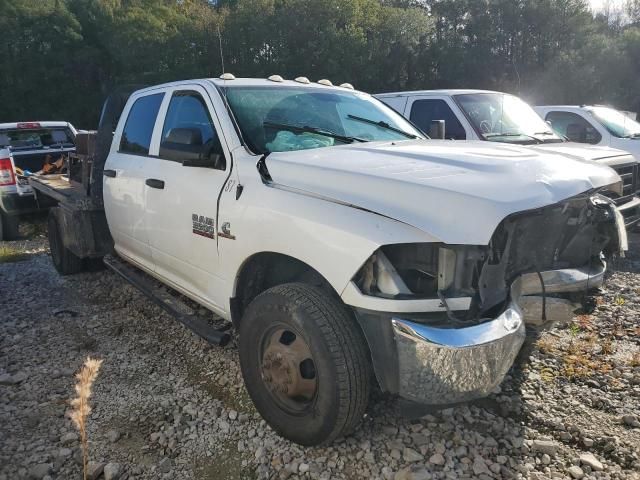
x,y
64,260
8,227
305,363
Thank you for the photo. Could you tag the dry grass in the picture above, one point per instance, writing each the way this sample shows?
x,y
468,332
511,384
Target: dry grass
x,y
80,404
607,347
585,322
546,345
11,254
548,374
581,361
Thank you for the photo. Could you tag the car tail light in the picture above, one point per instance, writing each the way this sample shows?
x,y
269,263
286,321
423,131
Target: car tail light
x,y
28,125
7,176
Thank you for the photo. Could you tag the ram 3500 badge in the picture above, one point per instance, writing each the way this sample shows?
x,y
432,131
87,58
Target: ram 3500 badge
x,y
362,251
204,226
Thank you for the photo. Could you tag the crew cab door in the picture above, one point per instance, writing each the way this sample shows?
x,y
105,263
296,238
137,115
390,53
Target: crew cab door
x,y
422,110
125,172
182,187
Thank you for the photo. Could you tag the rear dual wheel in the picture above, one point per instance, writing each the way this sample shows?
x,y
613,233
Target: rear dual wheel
x,y
305,363
65,261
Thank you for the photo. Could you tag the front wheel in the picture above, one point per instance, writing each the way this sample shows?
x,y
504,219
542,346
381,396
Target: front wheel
x,y
305,363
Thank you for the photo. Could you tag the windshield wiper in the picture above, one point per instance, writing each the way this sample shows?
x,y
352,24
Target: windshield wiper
x,y
382,125
318,131
509,134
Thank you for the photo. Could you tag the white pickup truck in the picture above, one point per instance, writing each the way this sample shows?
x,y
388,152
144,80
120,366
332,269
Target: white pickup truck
x,y
594,124
500,117
343,246
25,147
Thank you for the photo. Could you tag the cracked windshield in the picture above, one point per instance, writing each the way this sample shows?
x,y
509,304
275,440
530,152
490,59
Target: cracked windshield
x,y
300,118
505,118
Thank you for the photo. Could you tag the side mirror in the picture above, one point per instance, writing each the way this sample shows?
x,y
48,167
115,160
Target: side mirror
x,y
437,129
181,144
185,145
184,136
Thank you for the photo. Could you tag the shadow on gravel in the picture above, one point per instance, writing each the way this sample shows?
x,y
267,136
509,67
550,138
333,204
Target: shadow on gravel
x,y
32,239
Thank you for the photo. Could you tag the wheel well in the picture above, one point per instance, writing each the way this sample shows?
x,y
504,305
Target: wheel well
x,y
268,269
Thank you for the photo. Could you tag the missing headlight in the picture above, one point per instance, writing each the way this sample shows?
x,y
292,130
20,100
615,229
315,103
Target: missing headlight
x,y
420,270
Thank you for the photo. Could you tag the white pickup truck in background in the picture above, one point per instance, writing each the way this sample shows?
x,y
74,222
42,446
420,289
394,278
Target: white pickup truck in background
x,y
500,117
340,243
595,125
27,148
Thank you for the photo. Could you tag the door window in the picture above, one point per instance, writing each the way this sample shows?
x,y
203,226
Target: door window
x,y
574,127
136,136
423,112
188,133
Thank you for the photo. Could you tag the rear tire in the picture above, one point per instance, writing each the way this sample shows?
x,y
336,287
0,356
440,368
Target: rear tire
x,y
305,363
9,227
65,261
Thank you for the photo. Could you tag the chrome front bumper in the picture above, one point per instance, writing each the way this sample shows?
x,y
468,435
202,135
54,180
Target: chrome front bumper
x,y
444,366
439,366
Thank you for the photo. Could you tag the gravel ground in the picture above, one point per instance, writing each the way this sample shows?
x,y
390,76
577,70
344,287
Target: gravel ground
x,y
167,405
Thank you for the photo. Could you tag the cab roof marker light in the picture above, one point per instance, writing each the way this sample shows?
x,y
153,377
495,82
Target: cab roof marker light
x,y
347,85
227,76
276,78
304,80
326,82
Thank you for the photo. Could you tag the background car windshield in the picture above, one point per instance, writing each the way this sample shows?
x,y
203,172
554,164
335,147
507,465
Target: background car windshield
x,y
617,123
23,138
501,117
323,109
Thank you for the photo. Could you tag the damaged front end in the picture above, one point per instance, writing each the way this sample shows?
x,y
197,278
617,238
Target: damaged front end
x,y
445,322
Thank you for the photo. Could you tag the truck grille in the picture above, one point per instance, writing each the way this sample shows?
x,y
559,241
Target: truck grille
x,y
630,181
628,202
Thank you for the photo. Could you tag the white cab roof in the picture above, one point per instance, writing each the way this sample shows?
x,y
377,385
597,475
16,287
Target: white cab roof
x,y
249,82
454,91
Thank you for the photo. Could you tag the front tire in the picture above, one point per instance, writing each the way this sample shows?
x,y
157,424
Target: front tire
x,y
65,261
305,363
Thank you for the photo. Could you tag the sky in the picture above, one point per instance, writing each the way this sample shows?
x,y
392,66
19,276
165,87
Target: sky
x,y
599,4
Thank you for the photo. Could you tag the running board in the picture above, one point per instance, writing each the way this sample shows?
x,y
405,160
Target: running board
x,y
181,311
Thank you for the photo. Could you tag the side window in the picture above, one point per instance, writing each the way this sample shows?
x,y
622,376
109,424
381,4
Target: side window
x,y
188,134
574,127
423,112
136,136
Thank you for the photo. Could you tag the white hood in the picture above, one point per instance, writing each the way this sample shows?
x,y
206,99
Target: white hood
x,y
457,192
580,151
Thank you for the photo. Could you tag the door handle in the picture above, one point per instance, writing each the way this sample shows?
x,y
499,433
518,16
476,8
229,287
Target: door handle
x,y
109,173
154,183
